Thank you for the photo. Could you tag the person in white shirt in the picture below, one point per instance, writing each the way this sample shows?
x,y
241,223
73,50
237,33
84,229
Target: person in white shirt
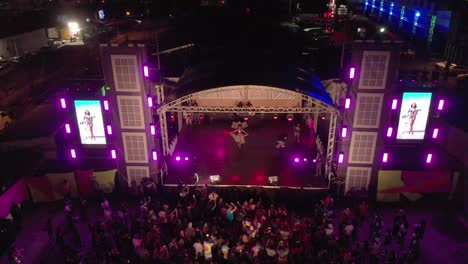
x,y
198,248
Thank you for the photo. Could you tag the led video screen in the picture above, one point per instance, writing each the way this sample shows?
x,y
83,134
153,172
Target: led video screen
x,y
413,117
90,122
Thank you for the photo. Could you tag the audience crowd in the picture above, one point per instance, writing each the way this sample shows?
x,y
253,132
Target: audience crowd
x,y
206,225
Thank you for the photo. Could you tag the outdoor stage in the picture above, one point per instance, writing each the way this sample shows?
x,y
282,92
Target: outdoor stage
x,y
212,151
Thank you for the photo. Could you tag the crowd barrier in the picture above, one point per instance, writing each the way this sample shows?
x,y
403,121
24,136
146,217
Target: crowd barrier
x,y
49,187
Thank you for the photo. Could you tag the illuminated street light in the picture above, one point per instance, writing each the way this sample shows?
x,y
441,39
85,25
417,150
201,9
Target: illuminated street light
x,y
73,27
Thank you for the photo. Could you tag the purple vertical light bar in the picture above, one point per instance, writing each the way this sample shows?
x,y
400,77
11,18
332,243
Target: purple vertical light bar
x,y
435,133
63,103
109,129
429,158
385,157
113,154
389,131
344,132
145,71
352,72
347,104
106,104
150,101
67,128
341,158
152,129
73,153
394,104
154,154
441,104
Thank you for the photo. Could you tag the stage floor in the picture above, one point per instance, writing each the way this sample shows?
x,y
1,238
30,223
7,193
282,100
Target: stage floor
x,y
212,151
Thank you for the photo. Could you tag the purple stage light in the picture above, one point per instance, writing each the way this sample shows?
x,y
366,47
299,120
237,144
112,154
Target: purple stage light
x,y
341,158
113,154
106,104
73,153
296,160
347,104
385,157
435,133
314,160
154,154
177,158
305,160
150,101
246,118
440,106
389,131
186,159
109,129
429,158
145,71
63,103
344,132
152,129
394,104
352,72
67,128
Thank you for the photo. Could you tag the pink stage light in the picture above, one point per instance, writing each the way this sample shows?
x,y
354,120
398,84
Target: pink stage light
x,y
152,129
305,160
73,153
389,131
394,104
275,117
440,106
352,72
344,132
177,158
435,133
246,118
347,104
63,103
385,157
290,118
106,104
150,101
113,154
109,129
314,160
145,71
296,160
186,159
154,154
341,158
67,128
429,158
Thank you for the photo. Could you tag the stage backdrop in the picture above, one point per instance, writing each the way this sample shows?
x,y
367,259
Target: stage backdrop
x,y
392,184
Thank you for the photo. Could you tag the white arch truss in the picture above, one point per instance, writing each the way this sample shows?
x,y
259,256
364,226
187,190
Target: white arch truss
x,y
309,105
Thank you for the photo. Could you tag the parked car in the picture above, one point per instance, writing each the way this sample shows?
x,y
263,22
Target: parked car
x,y
4,65
15,60
5,120
454,68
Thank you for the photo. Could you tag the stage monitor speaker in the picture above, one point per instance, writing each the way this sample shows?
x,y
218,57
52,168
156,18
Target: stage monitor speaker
x,y
215,179
273,180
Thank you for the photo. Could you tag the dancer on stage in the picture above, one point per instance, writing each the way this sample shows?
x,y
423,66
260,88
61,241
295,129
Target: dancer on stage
x,y
239,135
281,141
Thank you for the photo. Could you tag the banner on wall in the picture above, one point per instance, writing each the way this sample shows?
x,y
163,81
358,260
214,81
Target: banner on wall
x,y
392,184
